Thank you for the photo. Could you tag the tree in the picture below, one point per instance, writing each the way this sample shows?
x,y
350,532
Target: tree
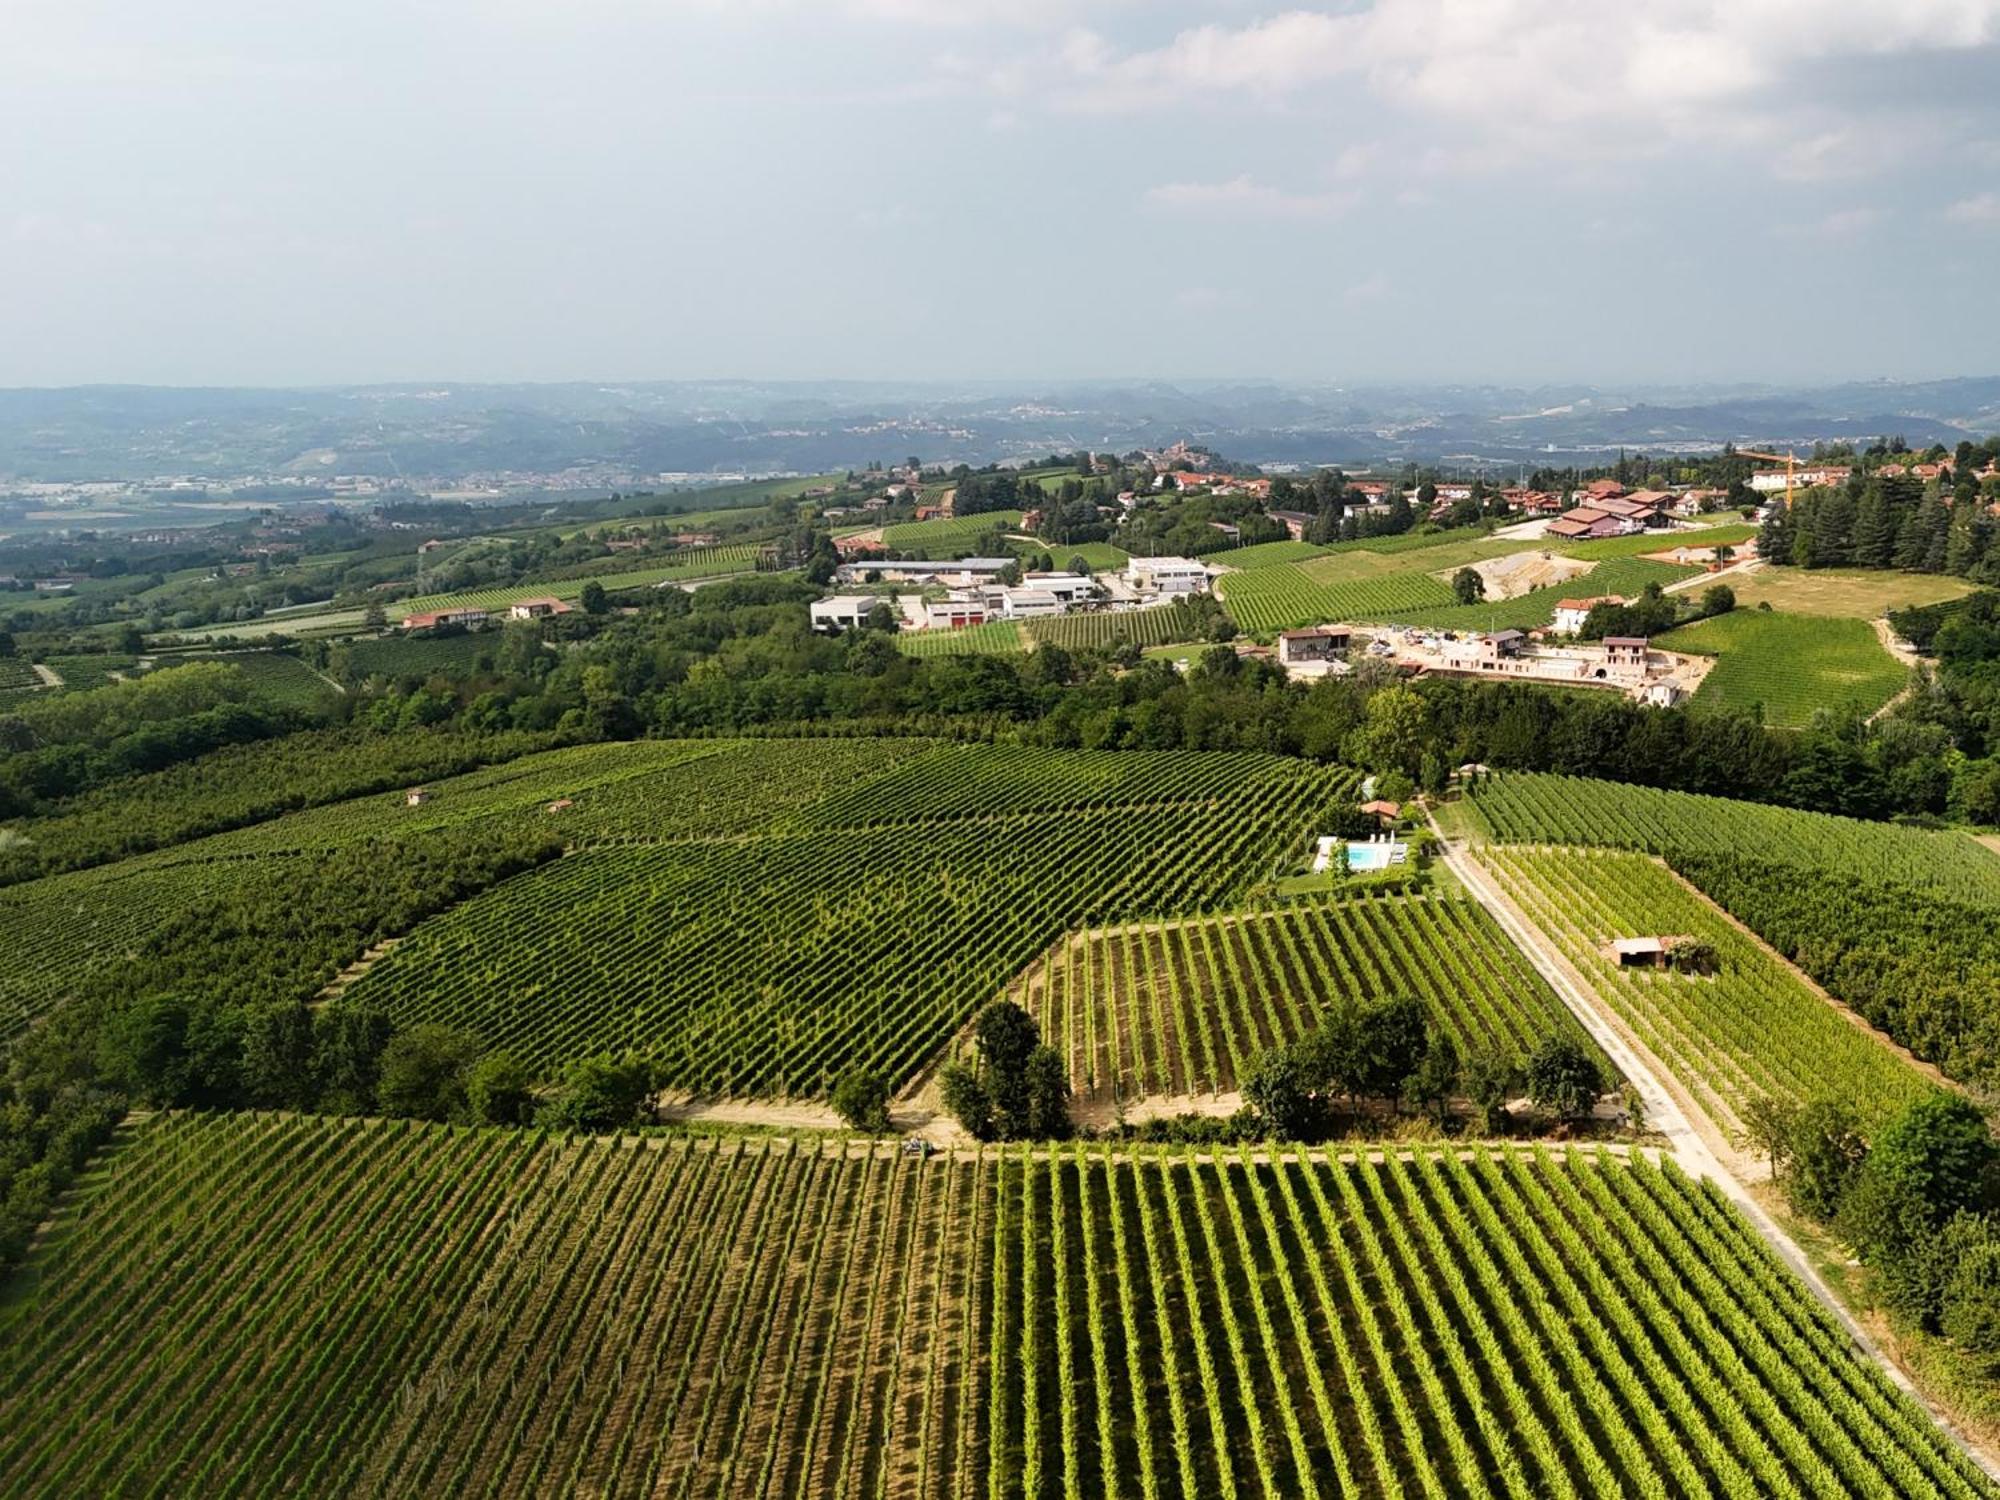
x,y
1718,599
1392,1040
881,617
602,1093
374,616
498,1091
1048,1095
1969,1310
1007,1036
1281,1089
7,648
1435,1077
1823,1151
1562,1077
176,1053
1394,732
861,1098
423,1072
278,1055
1468,585
592,598
966,1099
1934,1159
1695,956
348,1038
1490,1077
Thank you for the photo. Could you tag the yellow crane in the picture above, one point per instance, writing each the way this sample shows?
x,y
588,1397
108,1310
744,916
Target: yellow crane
x,y
1788,459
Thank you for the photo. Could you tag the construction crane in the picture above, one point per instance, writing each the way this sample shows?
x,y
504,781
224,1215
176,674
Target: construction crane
x,y
1788,459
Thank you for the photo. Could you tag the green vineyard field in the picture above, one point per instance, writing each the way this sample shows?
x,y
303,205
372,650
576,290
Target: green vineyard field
x,y
1526,808
418,656
1180,1008
1163,625
1752,1029
686,567
1266,554
250,1307
994,638
1280,598
766,966
1790,666
947,536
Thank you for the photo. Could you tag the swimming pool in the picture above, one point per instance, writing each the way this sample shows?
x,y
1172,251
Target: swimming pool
x,y
1373,856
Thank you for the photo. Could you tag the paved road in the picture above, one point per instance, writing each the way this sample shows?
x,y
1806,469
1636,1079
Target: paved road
x,y
1669,1113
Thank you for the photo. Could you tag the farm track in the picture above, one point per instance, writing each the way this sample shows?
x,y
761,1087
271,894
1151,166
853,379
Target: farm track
x,y
1700,1150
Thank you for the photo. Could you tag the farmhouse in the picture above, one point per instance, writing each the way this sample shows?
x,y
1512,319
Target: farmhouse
x,y
1030,604
536,609
1571,613
843,612
1322,643
431,618
1068,587
1588,522
1295,522
1625,653
955,613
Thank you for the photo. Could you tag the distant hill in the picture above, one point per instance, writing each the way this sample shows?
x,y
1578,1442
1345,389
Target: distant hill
x,y
448,431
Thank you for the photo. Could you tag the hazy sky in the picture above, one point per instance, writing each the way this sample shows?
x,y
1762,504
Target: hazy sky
x,y
220,191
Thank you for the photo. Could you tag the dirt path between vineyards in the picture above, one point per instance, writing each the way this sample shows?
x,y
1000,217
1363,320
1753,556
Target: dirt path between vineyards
x,y
1695,1143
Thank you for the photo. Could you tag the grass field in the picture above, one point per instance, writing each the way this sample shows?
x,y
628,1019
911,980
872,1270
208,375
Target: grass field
x,y
1752,1029
1101,557
1790,665
1537,607
1265,554
262,1306
1855,593
1281,597
1605,548
1183,1007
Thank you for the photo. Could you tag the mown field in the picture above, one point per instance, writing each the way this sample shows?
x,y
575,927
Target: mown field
x,y
1180,1008
1855,593
253,1306
1789,666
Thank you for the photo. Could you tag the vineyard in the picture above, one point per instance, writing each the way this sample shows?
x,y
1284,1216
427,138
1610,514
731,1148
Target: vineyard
x,y
1162,625
1181,1008
417,656
1536,809
1280,598
689,565
1627,577
1751,1029
994,638
253,1306
16,675
1267,554
1789,666
79,673
1732,535
768,965
273,676
948,536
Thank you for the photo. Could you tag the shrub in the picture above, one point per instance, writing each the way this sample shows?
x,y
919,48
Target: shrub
x,y
1562,1078
861,1098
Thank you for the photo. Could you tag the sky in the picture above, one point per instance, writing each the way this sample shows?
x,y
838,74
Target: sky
x,y
1494,191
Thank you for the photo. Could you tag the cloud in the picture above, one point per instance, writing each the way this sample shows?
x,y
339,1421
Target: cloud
x,y
1980,208
1373,289
1240,197
1582,78
1841,224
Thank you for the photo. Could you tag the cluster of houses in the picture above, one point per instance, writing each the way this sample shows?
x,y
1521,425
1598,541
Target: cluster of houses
x,y
970,591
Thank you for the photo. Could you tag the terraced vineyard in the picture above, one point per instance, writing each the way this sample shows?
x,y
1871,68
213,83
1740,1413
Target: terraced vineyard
x,y
1181,1008
1280,598
994,638
1752,1029
1789,666
1521,807
767,966
17,675
257,1306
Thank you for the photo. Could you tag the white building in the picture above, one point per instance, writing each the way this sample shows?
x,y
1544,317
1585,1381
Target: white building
x,y
1030,604
1571,613
1068,587
1167,575
843,612
954,614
